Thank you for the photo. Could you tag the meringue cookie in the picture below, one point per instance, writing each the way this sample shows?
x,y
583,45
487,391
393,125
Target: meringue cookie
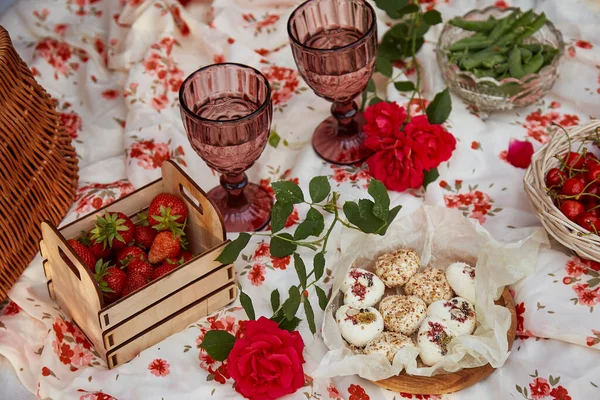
x,y
402,314
433,340
388,344
396,268
461,278
362,288
359,325
457,313
430,285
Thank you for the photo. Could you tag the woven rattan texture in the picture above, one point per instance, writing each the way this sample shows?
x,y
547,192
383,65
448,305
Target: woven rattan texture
x,y
567,232
38,164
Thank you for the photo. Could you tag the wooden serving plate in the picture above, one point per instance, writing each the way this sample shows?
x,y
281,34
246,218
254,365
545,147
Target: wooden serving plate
x,y
451,382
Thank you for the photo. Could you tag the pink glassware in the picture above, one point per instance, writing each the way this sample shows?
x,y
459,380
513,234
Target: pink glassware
x,y
227,111
334,43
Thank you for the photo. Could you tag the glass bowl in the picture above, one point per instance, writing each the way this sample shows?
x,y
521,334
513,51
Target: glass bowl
x,y
489,94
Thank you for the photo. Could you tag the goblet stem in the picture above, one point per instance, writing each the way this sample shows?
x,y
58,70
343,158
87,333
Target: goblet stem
x,y
345,114
234,184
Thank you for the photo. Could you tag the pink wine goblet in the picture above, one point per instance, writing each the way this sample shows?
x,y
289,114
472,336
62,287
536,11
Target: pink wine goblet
x,y
227,111
334,43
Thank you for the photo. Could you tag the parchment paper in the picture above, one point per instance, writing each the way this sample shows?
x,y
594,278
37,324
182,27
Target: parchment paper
x,y
440,236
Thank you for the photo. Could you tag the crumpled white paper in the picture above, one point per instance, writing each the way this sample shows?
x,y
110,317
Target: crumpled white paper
x,y
440,236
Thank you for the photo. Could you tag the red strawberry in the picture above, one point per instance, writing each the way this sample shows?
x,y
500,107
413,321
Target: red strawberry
x,y
144,236
99,249
111,280
183,257
166,245
187,255
167,212
113,229
140,266
86,255
134,282
165,268
127,254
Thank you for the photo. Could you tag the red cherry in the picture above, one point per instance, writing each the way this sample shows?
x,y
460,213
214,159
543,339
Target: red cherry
x,y
590,156
589,222
555,177
589,207
573,187
572,209
594,173
592,193
574,160
583,178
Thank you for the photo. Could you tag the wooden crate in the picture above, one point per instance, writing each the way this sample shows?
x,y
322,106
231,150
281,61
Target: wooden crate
x,y
121,330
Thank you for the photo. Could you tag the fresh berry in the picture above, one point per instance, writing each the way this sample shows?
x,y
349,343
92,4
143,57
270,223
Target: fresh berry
x,y
134,282
86,255
166,245
572,209
167,212
128,254
113,229
100,249
186,255
574,160
589,221
555,177
593,173
144,236
111,280
592,208
183,257
164,269
572,186
140,266
591,193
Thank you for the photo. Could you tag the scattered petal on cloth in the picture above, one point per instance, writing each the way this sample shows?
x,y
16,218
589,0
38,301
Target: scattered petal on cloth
x,y
519,153
114,68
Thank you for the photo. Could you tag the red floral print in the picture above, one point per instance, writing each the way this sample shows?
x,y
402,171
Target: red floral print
x,y
160,102
110,94
357,176
539,388
262,254
81,356
474,204
475,145
159,367
263,250
41,15
585,296
95,395
218,58
333,392
71,122
593,340
555,104
168,75
281,263
257,274
60,29
71,346
265,23
430,4
151,155
11,308
501,4
584,44
537,123
58,54
575,267
284,84
82,8
357,393
420,396
560,393
101,49
97,195
175,11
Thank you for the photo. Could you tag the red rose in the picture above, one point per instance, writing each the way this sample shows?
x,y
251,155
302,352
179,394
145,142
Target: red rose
x,y
396,165
267,362
433,143
384,119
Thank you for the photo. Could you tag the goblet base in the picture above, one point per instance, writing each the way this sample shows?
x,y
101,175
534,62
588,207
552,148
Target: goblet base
x,y
253,212
337,144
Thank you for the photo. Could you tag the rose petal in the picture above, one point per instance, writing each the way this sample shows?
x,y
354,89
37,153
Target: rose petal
x,y
519,153
272,340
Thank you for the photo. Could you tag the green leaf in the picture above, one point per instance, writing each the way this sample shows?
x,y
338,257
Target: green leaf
x,y
231,252
390,6
319,188
430,176
317,217
247,304
287,192
379,193
319,265
371,86
433,17
275,301
374,101
290,306
408,9
281,247
279,215
362,215
419,31
310,315
384,66
392,214
593,282
300,270
274,138
405,86
396,43
439,109
218,344
288,325
322,297
305,229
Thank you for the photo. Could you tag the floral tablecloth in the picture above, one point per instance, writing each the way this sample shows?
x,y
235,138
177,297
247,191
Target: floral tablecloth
x,y
114,68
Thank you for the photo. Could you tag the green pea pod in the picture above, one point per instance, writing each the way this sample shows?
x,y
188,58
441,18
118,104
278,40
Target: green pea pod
x,y
526,54
484,73
510,37
493,60
533,27
504,25
549,55
474,26
534,65
514,63
477,59
525,19
475,42
533,47
501,68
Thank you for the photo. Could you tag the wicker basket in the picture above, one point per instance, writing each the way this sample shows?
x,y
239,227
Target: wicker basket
x,y
567,232
38,165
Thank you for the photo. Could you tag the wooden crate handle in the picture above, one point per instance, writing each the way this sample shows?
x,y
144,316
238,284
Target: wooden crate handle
x,y
176,181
